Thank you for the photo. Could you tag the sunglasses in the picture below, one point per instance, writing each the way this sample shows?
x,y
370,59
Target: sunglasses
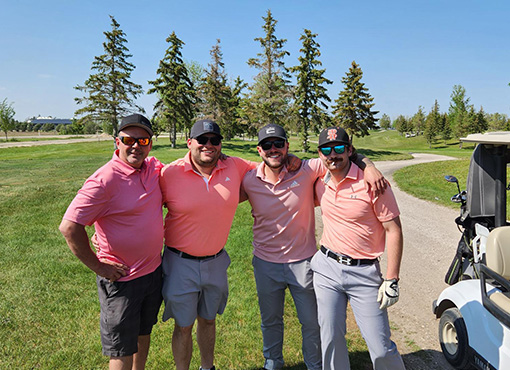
x,y
130,141
339,149
266,145
202,140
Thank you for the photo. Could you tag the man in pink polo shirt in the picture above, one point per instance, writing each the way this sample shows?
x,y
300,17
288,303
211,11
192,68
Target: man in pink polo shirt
x,y
123,200
358,226
201,192
284,243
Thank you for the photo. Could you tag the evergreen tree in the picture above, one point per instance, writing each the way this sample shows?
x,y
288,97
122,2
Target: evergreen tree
x,y
433,124
109,93
353,106
385,122
418,121
458,111
7,122
176,93
270,94
219,101
446,129
401,124
480,122
310,94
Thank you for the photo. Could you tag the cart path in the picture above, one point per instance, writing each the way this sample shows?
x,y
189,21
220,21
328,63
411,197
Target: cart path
x,y
430,242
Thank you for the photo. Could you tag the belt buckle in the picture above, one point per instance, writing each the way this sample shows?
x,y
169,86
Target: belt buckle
x,y
344,260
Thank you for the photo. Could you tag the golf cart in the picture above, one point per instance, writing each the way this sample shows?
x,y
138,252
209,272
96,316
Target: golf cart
x,y
474,311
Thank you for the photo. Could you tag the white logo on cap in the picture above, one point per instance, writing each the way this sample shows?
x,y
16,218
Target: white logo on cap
x,y
270,130
208,126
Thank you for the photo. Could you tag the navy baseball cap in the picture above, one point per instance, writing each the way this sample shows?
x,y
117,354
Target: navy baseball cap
x,y
272,130
205,126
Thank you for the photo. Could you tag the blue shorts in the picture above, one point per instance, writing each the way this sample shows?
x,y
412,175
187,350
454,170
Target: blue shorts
x,y
194,287
128,309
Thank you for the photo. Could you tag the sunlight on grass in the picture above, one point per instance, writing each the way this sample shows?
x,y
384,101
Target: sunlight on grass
x,y
49,314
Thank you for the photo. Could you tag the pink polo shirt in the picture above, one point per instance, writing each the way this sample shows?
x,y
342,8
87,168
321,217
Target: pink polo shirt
x,y
124,204
353,218
283,213
200,211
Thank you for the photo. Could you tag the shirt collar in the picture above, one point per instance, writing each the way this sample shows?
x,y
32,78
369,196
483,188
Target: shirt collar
x,y
189,167
351,175
261,174
123,166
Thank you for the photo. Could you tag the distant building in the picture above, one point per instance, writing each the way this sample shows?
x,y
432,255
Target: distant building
x,y
51,120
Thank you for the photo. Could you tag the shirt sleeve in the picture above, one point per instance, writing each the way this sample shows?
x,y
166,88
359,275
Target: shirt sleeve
x,y
385,206
90,203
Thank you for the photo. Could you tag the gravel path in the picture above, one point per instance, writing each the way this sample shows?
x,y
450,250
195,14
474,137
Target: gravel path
x,y
430,242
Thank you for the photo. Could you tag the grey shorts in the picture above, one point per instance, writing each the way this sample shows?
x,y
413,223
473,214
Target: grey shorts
x,y
128,309
194,287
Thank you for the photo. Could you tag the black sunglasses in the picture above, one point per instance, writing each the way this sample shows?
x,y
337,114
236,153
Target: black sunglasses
x,y
130,141
266,145
202,140
339,149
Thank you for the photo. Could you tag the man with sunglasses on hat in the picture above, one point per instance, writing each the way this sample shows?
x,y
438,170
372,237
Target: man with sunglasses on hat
x,y
358,226
284,242
123,200
201,192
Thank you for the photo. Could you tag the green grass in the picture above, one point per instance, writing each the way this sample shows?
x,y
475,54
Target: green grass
x,y
49,314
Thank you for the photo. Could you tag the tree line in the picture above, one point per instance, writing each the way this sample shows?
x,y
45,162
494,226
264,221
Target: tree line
x,y
187,91
461,119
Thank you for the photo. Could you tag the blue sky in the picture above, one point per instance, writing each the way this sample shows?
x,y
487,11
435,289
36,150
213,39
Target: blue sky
x,y
411,52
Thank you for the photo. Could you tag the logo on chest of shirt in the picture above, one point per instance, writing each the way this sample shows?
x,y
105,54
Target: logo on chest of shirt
x,y
294,184
227,178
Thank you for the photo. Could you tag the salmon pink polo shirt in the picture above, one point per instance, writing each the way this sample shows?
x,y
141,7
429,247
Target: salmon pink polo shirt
x,y
283,213
352,217
200,210
125,206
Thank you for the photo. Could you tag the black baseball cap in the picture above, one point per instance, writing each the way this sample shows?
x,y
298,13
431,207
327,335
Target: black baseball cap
x,y
333,134
205,126
136,120
272,130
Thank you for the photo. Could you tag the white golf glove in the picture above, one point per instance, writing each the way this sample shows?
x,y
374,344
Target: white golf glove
x,y
388,293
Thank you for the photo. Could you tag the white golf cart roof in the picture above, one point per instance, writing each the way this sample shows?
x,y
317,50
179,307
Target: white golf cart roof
x,y
496,138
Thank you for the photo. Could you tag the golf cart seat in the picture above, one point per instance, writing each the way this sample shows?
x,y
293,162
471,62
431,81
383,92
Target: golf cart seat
x,y
497,268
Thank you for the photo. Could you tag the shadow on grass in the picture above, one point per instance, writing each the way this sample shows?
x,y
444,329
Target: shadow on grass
x,y
360,360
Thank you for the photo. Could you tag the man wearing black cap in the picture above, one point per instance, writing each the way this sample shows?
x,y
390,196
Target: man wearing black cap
x,y
284,242
125,191
201,192
358,226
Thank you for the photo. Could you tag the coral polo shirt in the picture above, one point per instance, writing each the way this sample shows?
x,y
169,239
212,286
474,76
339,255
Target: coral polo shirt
x,y
283,213
352,217
200,210
124,204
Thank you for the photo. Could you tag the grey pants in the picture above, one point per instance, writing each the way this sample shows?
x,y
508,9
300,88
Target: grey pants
x,y
335,284
272,279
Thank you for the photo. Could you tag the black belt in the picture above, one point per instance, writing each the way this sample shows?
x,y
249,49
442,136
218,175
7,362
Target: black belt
x,y
346,260
191,257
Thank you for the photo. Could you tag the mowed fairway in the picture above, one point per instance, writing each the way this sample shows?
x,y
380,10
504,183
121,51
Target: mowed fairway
x,y
49,313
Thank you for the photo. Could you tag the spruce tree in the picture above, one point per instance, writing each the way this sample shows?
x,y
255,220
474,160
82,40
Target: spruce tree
x,y
433,124
353,106
109,93
176,93
310,94
219,100
418,121
385,122
270,94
